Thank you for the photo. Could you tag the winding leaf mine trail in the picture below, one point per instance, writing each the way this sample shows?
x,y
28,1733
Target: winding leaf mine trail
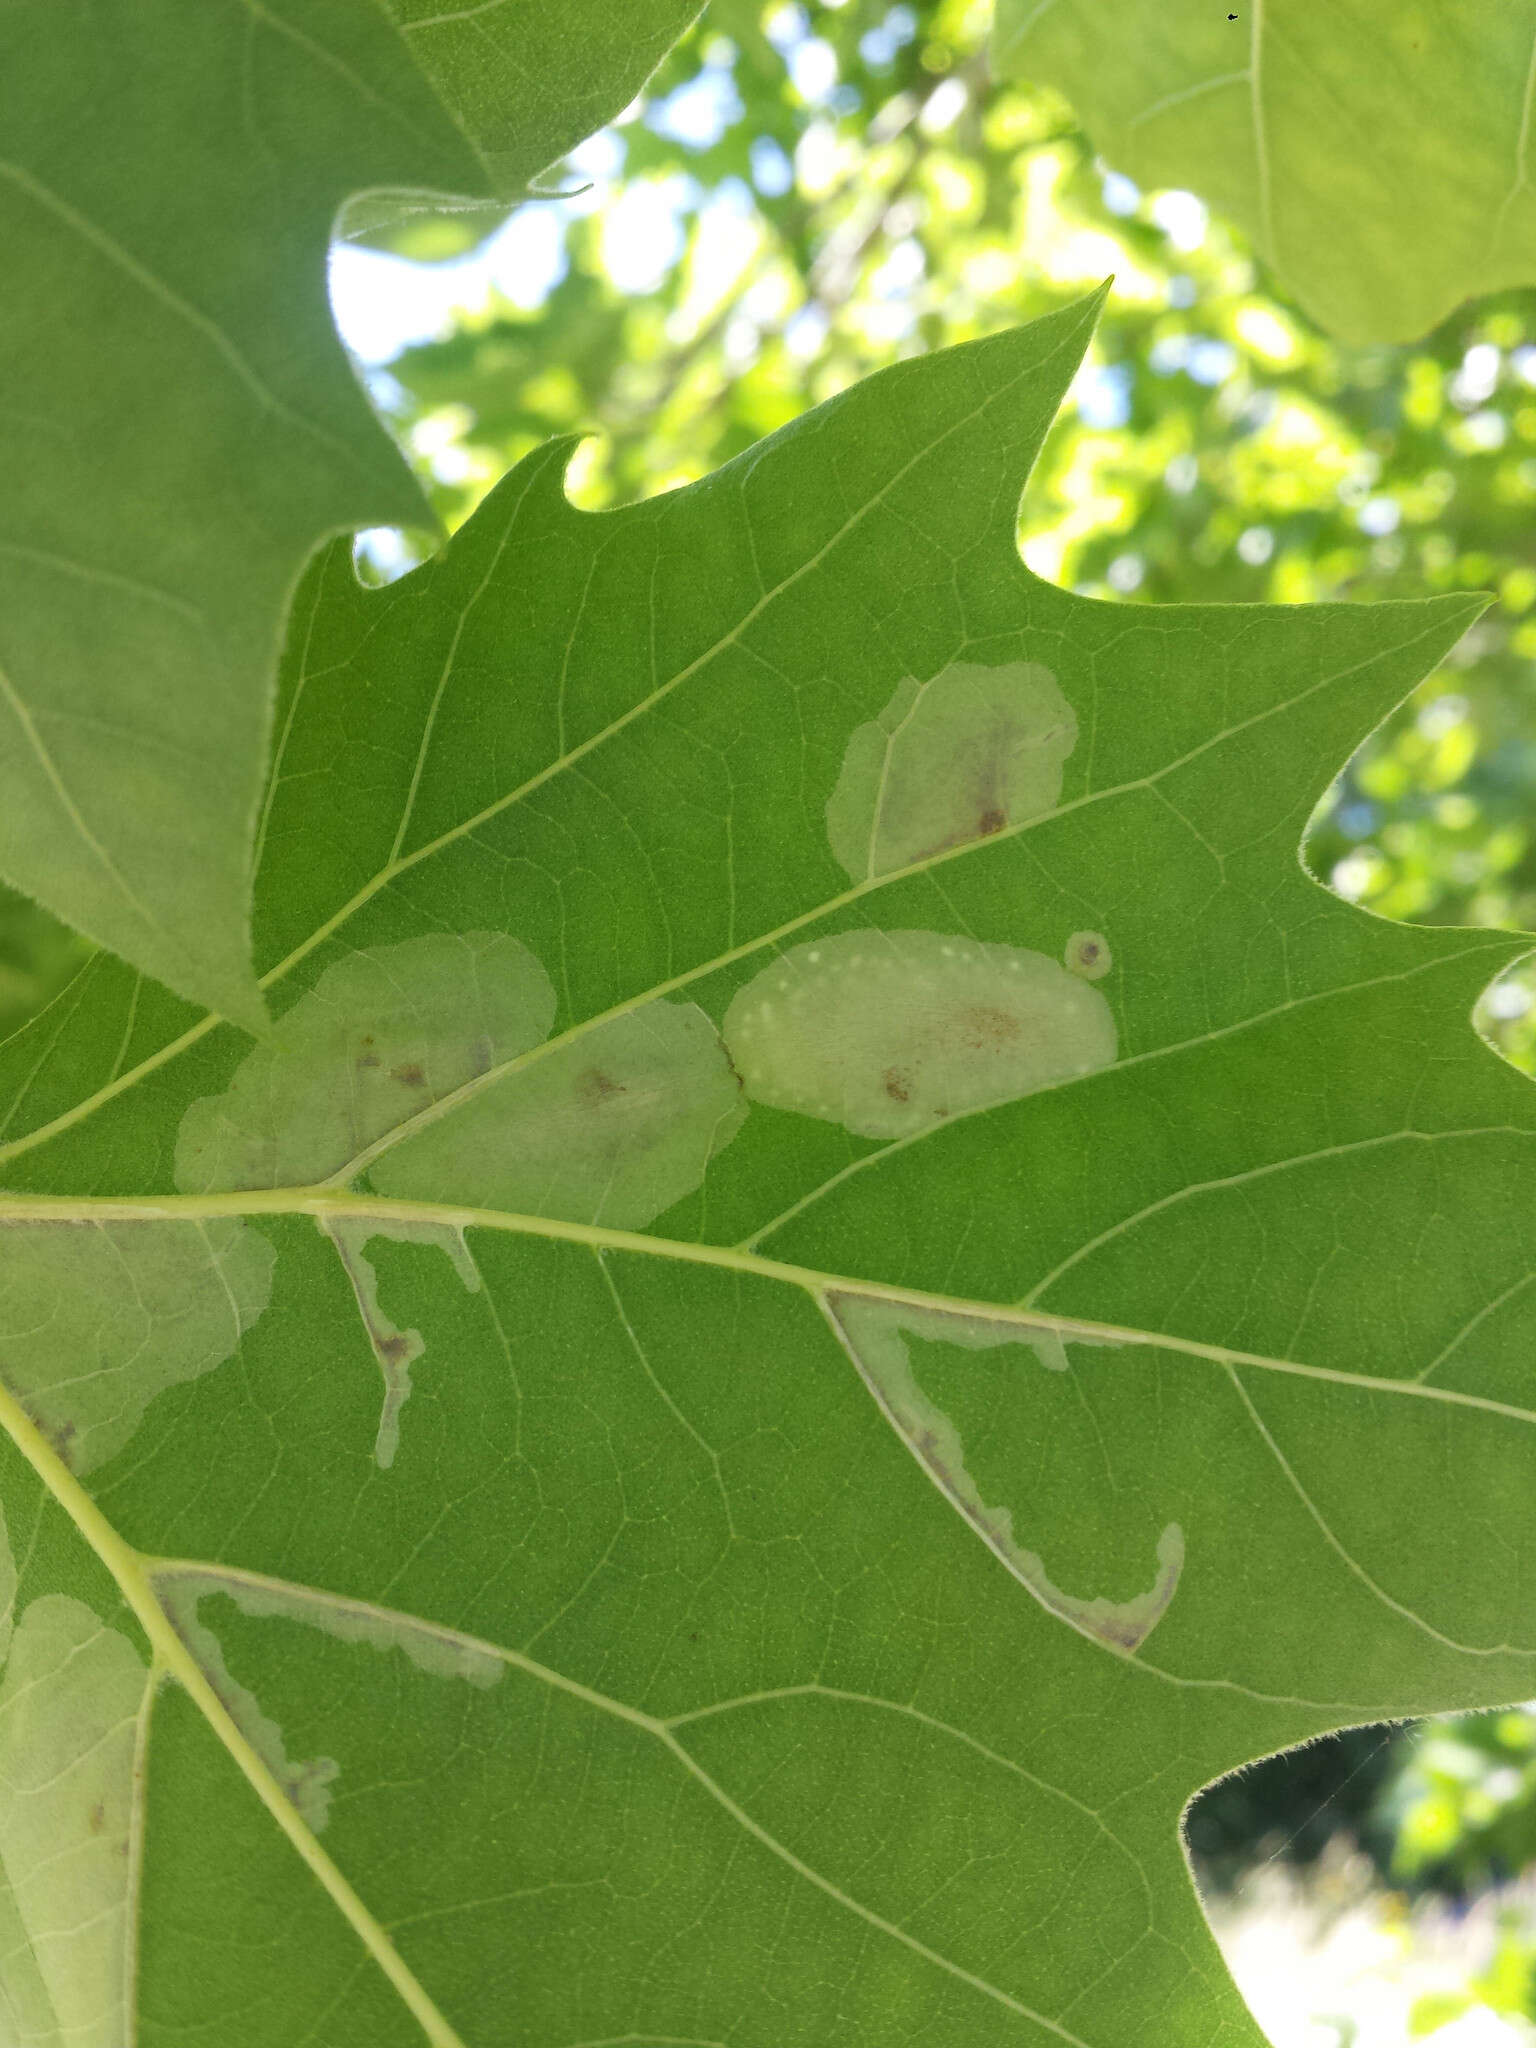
x,y
872,1321
328,1206
163,1594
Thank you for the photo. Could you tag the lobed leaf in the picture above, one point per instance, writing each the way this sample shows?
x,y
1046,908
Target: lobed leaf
x,y
1321,131
181,427
527,82
711,1437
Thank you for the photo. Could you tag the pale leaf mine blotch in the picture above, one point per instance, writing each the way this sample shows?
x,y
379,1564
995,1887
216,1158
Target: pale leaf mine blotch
x,y
104,1317
1087,954
306,1782
381,1036
949,761
395,1350
425,1057
70,1698
892,1033
612,1127
875,1333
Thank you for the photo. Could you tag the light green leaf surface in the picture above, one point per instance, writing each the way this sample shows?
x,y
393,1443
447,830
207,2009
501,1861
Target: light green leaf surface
x,y
527,81
1381,154
180,426
706,1444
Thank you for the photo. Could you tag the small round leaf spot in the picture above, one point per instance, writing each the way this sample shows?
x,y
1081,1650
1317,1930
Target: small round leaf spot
x,y
1088,954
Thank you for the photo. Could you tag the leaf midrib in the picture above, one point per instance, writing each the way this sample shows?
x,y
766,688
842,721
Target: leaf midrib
x,y
137,1575
171,1658
195,1033
323,1202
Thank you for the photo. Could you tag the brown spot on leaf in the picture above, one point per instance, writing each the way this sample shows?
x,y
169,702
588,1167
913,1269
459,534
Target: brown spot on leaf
x,y
409,1076
982,1027
1087,954
897,1084
1126,1632
992,819
394,1349
595,1087
369,1059
98,1818
928,1448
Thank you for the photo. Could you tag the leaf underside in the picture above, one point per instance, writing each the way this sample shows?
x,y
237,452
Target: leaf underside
x,y
837,1283
1248,109
181,427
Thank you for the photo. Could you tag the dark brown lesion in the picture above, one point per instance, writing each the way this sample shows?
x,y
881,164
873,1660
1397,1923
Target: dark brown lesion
x,y
596,1087
1121,1632
394,1349
897,1084
410,1075
368,1059
925,1442
984,814
62,1436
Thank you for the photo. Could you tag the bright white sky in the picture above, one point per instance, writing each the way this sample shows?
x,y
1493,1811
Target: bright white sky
x,y
383,304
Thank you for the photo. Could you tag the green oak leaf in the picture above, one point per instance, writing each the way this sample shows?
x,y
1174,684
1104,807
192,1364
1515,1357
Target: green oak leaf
x,y
1379,153
180,425
837,1283
527,81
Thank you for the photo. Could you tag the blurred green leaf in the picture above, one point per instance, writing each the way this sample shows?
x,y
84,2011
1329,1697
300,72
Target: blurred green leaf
x,y
181,426
1323,131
